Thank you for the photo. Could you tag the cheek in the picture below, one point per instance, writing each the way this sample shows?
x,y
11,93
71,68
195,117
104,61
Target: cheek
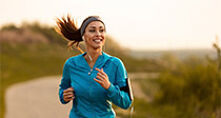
x,y
103,36
87,37
104,40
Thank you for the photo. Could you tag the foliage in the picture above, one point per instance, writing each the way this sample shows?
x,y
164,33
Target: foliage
x,y
47,31
187,89
193,87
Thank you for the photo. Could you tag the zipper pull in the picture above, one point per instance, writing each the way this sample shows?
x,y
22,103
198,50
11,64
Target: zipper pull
x,y
89,73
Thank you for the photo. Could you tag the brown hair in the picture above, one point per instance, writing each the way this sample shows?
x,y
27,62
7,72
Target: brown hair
x,y
68,29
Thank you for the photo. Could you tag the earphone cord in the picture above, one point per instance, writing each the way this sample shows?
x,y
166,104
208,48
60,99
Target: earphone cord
x,y
131,111
80,49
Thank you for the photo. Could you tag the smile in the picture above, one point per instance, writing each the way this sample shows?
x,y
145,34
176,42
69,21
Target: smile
x,y
97,40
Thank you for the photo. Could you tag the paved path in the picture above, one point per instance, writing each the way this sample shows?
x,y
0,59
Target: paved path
x,y
35,99
39,98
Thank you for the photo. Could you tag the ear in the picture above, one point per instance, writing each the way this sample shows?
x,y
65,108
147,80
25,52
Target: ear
x,y
84,39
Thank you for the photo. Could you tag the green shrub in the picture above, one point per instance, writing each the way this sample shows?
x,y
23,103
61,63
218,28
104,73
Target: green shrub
x,y
192,88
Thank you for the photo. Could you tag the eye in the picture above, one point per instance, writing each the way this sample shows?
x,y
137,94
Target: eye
x,y
102,30
91,30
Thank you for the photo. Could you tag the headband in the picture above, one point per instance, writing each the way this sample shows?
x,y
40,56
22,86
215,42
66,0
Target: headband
x,y
89,20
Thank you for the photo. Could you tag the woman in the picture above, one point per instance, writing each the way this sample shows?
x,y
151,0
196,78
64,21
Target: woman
x,y
94,79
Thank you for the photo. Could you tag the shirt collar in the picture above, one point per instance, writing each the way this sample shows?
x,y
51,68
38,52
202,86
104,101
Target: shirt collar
x,y
101,60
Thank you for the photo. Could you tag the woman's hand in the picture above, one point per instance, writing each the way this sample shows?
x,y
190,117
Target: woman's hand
x,y
68,94
102,78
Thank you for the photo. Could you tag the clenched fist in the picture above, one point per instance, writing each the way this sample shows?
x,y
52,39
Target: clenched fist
x,y
68,94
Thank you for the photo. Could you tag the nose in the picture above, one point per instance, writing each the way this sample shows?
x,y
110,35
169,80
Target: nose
x,y
98,33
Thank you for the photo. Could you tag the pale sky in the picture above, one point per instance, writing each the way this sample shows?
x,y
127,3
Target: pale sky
x,y
136,24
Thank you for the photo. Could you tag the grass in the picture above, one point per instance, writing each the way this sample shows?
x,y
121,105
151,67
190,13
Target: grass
x,y
145,109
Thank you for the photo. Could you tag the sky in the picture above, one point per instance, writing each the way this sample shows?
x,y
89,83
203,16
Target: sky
x,y
134,24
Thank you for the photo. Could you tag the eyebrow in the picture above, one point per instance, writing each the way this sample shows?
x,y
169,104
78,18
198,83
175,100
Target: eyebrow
x,y
95,27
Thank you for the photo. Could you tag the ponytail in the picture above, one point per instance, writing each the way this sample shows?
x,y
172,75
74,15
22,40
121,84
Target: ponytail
x,y
68,29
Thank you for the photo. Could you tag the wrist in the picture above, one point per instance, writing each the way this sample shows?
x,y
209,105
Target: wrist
x,y
108,86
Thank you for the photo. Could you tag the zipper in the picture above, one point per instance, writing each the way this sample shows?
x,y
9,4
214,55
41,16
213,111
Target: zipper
x,y
89,73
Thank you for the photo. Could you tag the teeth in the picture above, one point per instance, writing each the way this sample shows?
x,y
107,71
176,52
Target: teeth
x,y
97,40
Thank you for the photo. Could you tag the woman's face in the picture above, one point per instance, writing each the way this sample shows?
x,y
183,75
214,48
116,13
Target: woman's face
x,y
94,35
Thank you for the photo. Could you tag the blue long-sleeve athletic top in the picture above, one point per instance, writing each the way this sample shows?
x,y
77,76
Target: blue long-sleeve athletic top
x,y
91,99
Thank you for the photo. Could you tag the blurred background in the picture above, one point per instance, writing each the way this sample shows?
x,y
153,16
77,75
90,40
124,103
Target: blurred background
x,y
171,50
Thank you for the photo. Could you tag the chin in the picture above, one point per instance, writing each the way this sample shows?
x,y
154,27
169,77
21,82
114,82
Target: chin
x,y
97,47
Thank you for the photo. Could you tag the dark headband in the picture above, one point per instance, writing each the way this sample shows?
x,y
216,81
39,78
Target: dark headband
x,y
89,20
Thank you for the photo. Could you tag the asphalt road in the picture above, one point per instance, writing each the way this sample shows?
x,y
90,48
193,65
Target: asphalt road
x,y
35,99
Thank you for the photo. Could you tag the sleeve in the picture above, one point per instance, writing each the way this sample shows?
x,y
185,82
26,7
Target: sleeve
x,y
65,82
120,93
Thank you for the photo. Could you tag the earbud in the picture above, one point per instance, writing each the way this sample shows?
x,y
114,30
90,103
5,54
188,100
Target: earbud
x,y
84,39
